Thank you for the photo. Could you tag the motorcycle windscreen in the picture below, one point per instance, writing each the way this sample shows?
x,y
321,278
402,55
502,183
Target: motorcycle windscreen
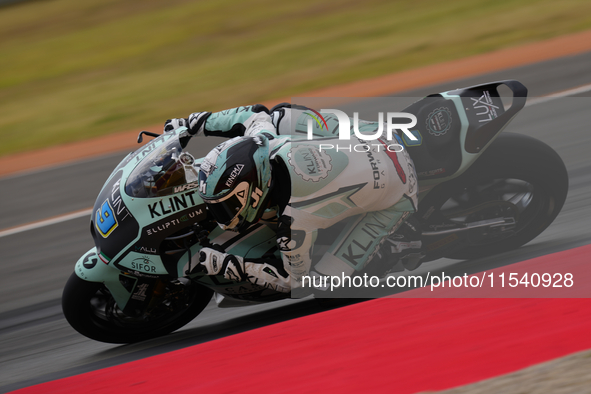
x,y
162,172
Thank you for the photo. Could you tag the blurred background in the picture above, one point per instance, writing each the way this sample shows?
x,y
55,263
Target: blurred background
x,y
70,69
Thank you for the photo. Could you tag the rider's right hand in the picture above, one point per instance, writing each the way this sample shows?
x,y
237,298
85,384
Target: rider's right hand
x,y
195,123
173,124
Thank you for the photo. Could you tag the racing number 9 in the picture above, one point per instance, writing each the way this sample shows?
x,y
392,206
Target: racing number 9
x,y
105,220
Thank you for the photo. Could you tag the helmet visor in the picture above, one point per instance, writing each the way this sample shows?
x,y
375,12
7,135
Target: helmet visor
x,y
227,209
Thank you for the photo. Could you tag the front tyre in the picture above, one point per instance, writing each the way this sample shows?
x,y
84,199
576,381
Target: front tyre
x,y
91,310
517,176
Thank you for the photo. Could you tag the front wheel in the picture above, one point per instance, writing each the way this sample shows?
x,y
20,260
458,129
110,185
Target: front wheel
x,y
91,310
517,177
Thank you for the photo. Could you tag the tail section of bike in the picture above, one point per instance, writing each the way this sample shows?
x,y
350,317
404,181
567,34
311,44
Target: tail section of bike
x,y
481,192
454,128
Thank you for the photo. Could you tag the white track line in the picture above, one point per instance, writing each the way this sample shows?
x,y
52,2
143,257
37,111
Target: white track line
x,y
86,212
561,94
46,222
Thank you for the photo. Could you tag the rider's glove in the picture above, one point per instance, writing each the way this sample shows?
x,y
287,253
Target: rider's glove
x,y
173,124
195,123
232,267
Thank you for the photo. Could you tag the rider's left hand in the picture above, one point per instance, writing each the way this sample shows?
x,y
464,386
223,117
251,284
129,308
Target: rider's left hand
x,y
268,274
216,263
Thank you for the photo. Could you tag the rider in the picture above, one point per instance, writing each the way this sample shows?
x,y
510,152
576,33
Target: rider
x,y
300,186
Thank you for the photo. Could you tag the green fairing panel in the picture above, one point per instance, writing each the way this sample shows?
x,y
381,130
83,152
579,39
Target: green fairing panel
x,y
91,269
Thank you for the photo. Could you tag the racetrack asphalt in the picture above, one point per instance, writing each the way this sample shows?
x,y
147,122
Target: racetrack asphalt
x,y
37,345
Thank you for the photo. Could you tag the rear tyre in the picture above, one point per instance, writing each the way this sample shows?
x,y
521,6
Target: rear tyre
x,y
516,176
91,310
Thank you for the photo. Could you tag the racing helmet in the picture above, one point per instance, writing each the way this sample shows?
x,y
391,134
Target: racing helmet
x,y
235,181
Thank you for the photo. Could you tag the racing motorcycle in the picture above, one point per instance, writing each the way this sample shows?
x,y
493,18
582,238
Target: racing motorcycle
x,y
481,193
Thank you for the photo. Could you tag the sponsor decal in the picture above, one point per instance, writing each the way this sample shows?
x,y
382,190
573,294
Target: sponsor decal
x,y
373,227
140,292
111,212
232,274
143,264
105,219
235,172
374,163
165,225
172,204
309,162
146,249
90,261
487,111
283,244
188,186
439,121
399,170
152,145
120,210
295,257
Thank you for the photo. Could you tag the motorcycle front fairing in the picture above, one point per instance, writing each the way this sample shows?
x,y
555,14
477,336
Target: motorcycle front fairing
x,y
149,196
136,209
126,252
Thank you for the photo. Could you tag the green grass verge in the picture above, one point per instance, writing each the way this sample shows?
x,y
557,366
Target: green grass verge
x,y
73,69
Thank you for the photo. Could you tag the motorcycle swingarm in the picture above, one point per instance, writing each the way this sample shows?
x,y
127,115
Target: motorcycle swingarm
x,y
439,243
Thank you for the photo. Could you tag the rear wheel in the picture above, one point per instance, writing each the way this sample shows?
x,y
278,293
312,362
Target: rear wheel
x,y
517,177
91,310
